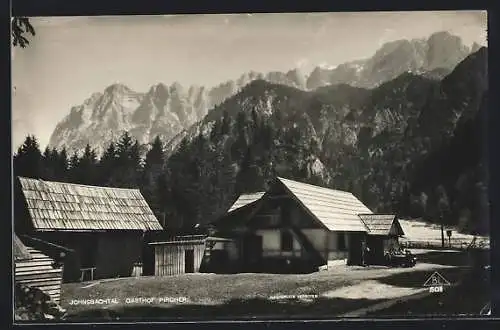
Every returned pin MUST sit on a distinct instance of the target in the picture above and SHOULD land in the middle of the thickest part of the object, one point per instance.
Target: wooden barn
(103, 226)
(383, 235)
(295, 227)
(35, 269)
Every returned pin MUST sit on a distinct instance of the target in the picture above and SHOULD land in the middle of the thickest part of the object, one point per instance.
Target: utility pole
(442, 231)
(443, 207)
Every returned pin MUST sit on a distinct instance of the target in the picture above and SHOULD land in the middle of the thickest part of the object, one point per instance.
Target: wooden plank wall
(39, 273)
(117, 253)
(169, 258)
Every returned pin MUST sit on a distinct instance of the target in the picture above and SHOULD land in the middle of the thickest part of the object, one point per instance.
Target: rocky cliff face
(168, 111)
(441, 51)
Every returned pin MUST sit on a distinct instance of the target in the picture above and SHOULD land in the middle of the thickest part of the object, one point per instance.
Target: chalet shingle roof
(381, 224)
(246, 199)
(66, 206)
(337, 210)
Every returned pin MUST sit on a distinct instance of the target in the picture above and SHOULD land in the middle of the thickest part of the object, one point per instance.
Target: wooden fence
(454, 243)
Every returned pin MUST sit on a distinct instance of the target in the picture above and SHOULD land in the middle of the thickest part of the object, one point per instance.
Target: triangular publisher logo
(486, 310)
(436, 279)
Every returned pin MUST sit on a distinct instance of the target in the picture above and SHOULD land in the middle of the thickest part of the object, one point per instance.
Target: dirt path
(372, 290)
(386, 304)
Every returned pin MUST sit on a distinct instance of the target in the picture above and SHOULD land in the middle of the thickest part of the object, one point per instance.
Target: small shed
(180, 255)
(383, 235)
(35, 269)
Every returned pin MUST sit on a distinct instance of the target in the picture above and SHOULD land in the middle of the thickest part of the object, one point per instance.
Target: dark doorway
(355, 249)
(189, 261)
(219, 261)
(252, 250)
(376, 253)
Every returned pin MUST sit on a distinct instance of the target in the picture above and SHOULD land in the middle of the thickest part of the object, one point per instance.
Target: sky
(71, 58)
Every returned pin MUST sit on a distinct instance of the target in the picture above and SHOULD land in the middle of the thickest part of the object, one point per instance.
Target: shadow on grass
(466, 267)
(417, 279)
(237, 308)
(471, 292)
(446, 258)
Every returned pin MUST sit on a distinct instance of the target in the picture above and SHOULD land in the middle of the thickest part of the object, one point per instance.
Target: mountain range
(413, 145)
(170, 111)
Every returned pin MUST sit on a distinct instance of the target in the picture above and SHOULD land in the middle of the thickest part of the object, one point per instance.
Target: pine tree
(84, 170)
(155, 157)
(73, 175)
(136, 163)
(255, 120)
(48, 164)
(61, 166)
(28, 159)
(240, 126)
(250, 177)
(151, 184)
(162, 193)
(215, 133)
(128, 163)
(124, 146)
(226, 123)
(107, 165)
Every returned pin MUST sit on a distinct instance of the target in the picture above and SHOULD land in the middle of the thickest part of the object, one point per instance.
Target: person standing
(364, 253)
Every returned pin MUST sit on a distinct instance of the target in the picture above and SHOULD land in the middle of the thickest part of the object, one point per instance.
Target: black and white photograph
(261, 166)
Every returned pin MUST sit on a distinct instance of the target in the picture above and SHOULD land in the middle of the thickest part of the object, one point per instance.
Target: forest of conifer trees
(206, 173)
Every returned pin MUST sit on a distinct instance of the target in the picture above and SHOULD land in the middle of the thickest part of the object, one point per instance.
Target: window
(286, 241)
(341, 244)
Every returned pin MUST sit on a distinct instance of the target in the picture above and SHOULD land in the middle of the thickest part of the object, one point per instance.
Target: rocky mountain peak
(445, 50)
(440, 51)
(117, 89)
(93, 98)
(176, 87)
(159, 90)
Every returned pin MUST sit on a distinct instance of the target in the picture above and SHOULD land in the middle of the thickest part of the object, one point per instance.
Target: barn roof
(74, 207)
(337, 210)
(381, 224)
(246, 199)
(19, 250)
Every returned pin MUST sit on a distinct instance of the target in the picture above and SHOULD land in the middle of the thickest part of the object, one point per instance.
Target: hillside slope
(381, 144)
